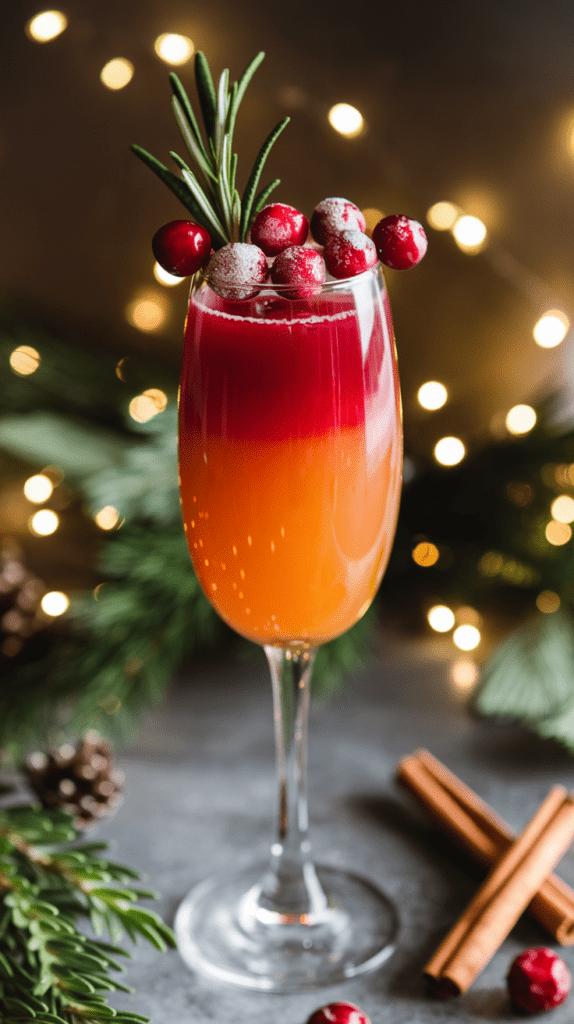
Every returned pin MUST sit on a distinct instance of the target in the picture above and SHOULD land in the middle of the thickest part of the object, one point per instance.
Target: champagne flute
(290, 459)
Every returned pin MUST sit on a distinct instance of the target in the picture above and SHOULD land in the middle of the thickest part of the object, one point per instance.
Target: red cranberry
(237, 271)
(349, 254)
(334, 215)
(277, 226)
(302, 266)
(538, 980)
(181, 247)
(401, 242)
(339, 1013)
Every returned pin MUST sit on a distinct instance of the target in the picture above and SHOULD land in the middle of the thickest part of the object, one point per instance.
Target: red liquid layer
(290, 459)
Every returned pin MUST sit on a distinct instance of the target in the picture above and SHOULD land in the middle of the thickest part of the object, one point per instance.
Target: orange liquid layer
(301, 552)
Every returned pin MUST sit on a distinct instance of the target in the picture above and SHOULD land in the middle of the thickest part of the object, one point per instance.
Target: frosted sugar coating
(236, 270)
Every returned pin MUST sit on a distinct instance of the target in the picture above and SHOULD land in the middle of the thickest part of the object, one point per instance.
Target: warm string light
(425, 554)
(117, 73)
(346, 120)
(148, 404)
(432, 395)
(148, 312)
(470, 234)
(466, 637)
(107, 518)
(441, 618)
(551, 328)
(174, 49)
(46, 26)
(547, 602)
(558, 534)
(464, 674)
(24, 360)
(520, 419)
(164, 277)
(38, 488)
(443, 216)
(449, 451)
(55, 603)
(44, 522)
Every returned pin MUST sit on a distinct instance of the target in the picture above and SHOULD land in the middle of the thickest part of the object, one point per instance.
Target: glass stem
(291, 887)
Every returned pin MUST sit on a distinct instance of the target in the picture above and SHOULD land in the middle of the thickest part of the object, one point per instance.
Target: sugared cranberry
(237, 270)
(339, 1013)
(401, 242)
(538, 980)
(349, 254)
(181, 247)
(277, 226)
(334, 215)
(302, 267)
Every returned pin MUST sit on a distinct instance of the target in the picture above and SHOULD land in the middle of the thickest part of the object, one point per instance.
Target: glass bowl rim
(332, 284)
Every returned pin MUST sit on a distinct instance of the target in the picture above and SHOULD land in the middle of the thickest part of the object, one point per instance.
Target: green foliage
(530, 678)
(209, 191)
(50, 972)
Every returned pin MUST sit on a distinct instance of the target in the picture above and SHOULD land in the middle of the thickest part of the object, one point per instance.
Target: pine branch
(49, 970)
(209, 192)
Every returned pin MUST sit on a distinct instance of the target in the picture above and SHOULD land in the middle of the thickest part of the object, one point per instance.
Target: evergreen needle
(57, 977)
(208, 190)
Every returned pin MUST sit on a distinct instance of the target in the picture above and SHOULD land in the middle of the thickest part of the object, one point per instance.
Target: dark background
(469, 103)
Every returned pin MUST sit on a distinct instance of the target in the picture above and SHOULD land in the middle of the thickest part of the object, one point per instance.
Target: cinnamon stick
(503, 896)
(479, 831)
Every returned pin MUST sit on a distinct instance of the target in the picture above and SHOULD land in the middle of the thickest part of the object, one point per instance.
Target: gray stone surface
(201, 796)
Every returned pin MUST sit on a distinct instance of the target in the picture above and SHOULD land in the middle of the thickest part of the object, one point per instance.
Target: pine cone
(78, 779)
(20, 595)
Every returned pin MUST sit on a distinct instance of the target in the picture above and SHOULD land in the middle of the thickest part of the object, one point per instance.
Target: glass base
(223, 931)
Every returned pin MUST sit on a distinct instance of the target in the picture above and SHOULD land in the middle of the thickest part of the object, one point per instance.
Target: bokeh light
(372, 217)
(551, 328)
(547, 602)
(449, 451)
(46, 26)
(148, 404)
(55, 603)
(440, 618)
(107, 517)
(346, 120)
(562, 509)
(463, 673)
(24, 360)
(44, 522)
(470, 234)
(117, 73)
(174, 49)
(432, 395)
(148, 312)
(466, 637)
(38, 488)
(426, 554)
(163, 277)
(520, 419)
(442, 216)
(558, 533)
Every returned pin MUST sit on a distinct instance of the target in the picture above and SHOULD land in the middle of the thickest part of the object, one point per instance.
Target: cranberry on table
(339, 1013)
(349, 254)
(302, 267)
(538, 980)
(401, 242)
(334, 215)
(237, 271)
(277, 227)
(181, 247)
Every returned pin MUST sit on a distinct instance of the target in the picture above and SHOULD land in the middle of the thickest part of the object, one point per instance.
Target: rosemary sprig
(50, 972)
(208, 190)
